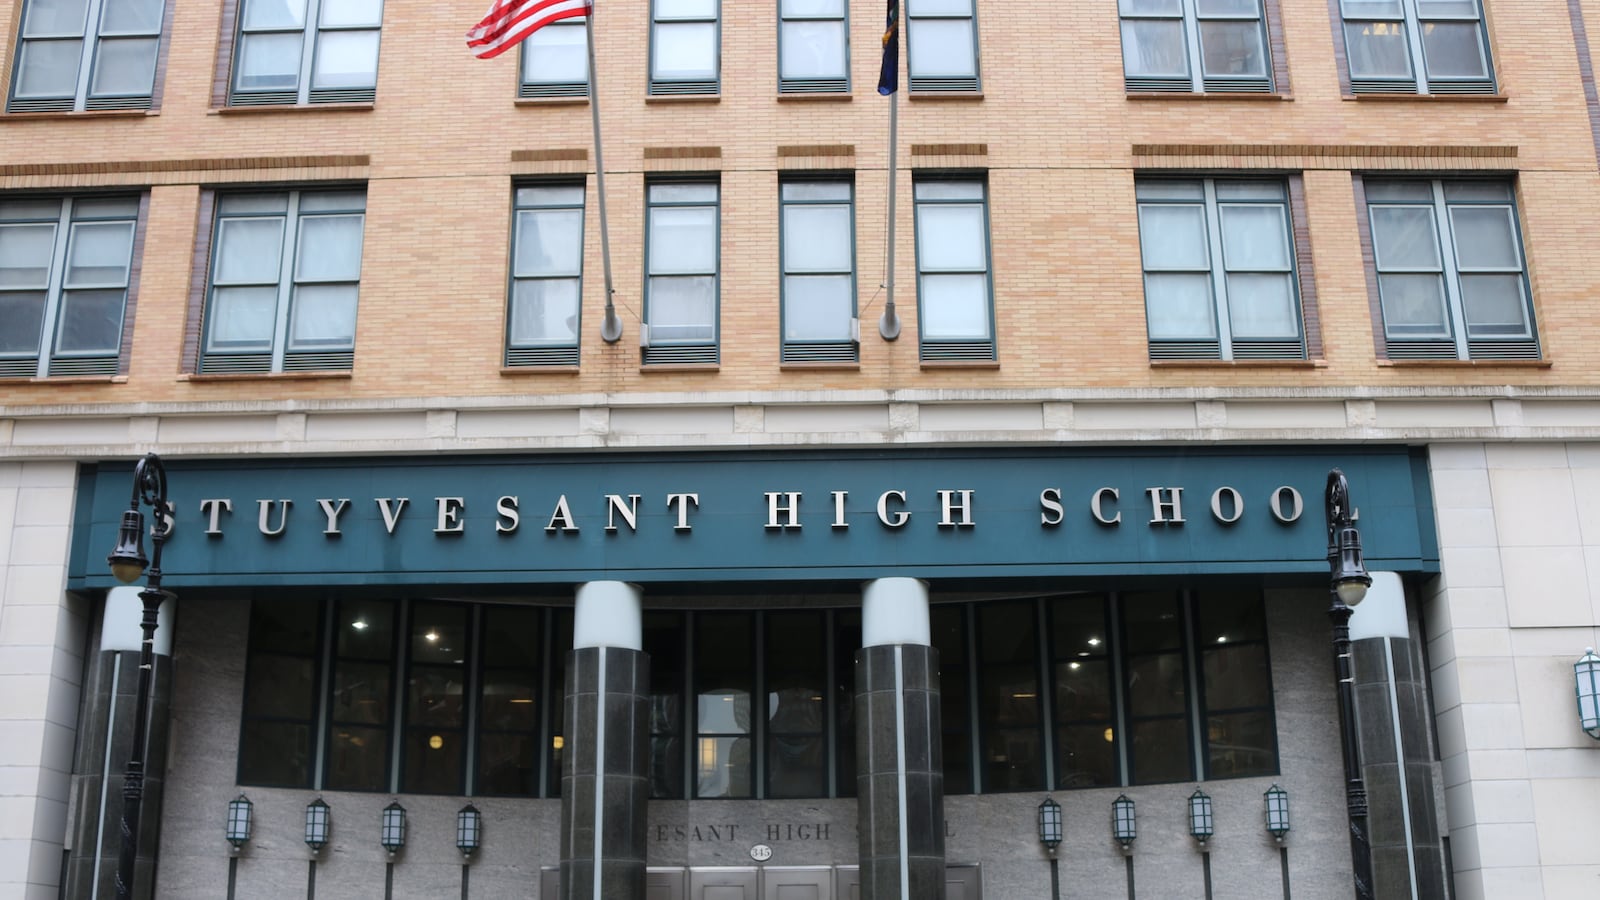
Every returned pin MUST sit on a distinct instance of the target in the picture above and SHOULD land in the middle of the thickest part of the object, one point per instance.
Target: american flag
(508, 22)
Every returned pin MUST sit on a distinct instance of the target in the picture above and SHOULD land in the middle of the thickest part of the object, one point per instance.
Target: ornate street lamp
(1050, 824)
(238, 829)
(1202, 825)
(319, 824)
(127, 563)
(469, 830)
(392, 832)
(1123, 826)
(1348, 582)
(1587, 672)
(1277, 800)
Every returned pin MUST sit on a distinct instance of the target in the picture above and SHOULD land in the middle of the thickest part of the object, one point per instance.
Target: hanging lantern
(1050, 824)
(469, 830)
(319, 824)
(1123, 827)
(1201, 824)
(1587, 671)
(1277, 800)
(392, 832)
(238, 828)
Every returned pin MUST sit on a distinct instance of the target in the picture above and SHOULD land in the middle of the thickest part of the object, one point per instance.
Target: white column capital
(608, 614)
(895, 611)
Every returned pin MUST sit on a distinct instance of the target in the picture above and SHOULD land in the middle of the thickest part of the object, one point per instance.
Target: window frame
(842, 350)
(656, 350)
(942, 83)
(1196, 80)
(534, 354)
(709, 85)
(968, 349)
(536, 89)
(1417, 80)
(826, 84)
(320, 610)
(311, 31)
(90, 40)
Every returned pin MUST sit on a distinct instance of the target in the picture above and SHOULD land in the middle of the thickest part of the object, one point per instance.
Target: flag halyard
(509, 22)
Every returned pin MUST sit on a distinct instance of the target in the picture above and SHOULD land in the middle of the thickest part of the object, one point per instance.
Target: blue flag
(889, 76)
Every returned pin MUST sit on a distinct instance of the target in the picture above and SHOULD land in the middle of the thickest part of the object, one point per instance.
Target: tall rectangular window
(685, 46)
(1163, 40)
(682, 259)
(1083, 672)
(724, 691)
(1009, 716)
(433, 757)
(306, 51)
(664, 640)
(277, 739)
(942, 45)
(1156, 688)
(65, 270)
(361, 704)
(813, 47)
(285, 276)
(950, 633)
(555, 60)
(954, 295)
(1451, 278)
(795, 674)
(508, 717)
(1237, 725)
(1219, 269)
(1388, 42)
(86, 54)
(546, 276)
(819, 283)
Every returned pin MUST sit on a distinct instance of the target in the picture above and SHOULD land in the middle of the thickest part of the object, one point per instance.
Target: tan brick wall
(1060, 135)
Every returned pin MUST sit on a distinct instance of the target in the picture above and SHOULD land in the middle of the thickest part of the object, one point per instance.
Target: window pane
(1255, 237)
(90, 321)
(817, 190)
(274, 13)
(951, 238)
(1151, 622)
(949, 190)
(1155, 684)
(705, 9)
(329, 249)
(685, 50)
(1179, 306)
(1236, 675)
(1261, 306)
(281, 687)
(249, 251)
(1174, 237)
(1083, 689)
(429, 769)
(1493, 306)
(544, 311)
(811, 7)
(124, 67)
(232, 204)
(723, 767)
(1232, 48)
(285, 626)
(1242, 744)
(1477, 190)
(666, 767)
(242, 318)
(1377, 50)
(683, 240)
(556, 53)
(816, 239)
(1227, 617)
(955, 306)
(275, 754)
(25, 253)
(683, 309)
(508, 764)
(1413, 305)
(550, 195)
(941, 48)
(816, 308)
(1485, 238)
(1402, 192)
(131, 17)
(1160, 751)
(346, 59)
(361, 692)
(1429, 8)
(436, 696)
(813, 49)
(55, 17)
(683, 193)
(352, 12)
(549, 242)
(1150, 7)
(1403, 238)
(269, 61)
(1453, 50)
(36, 209)
(509, 698)
(21, 321)
(939, 7)
(797, 765)
(98, 255)
(1154, 48)
(322, 316)
(357, 758)
(1085, 756)
(1228, 7)
(1012, 761)
(48, 68)
(332, 201)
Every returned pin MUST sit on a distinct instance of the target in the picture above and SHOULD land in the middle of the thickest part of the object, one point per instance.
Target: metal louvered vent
(333, 360)
(60, 104)
(1503, 349)
(118, 103)
(1185, 350)
(966, 85)
(84, 365)
(1461, 87)
(19, 368)
(236, 364)
(534, 91)
(1383, 87)
(845, 352)
(1163, 85)
(958, 351)
(680, 354)
(352, 95)
(1238, 86)
(263, 98)
(1422, 350)
(542, 356)
(1268, 350)
(812, 86)
(673, 88)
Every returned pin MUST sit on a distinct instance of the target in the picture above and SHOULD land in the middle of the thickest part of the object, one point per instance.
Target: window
(1219, 269)
(285, 276)
(546, 276)
(1162, 39)
(555, 60)
(1008, 697)
(306, 51)
(681, 265)
(1388, 42)
(277, 739)
(1451, 279)
(954, 297)
(942, 45)
(813, 47)
(74, 55)
(685, 46)
(724, 691)
(819, 285)
(65, 273)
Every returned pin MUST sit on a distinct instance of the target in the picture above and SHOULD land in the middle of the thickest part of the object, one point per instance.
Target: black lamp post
(1348, 582)
(127, 562)
(1050, 837)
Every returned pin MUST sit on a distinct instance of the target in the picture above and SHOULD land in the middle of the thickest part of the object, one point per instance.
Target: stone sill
(819, 367)
(959, 364)
(832, 96)
(683, 98)
(200, 378)
(1213, 96)
(1467, 363)
(1429, 98)
(679, 367)
(551, 101)
(945, 95)
(67, 379)
(82, 114)
(517, 371)
(1238, 363)
(291, 108)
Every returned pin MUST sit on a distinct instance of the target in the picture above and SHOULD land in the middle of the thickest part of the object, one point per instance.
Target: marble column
(105, 730)
(605, 780)
(899, 757)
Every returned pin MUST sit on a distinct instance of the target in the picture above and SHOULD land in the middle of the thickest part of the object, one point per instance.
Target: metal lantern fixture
(1123, 827)
(238, 830)
(1346, 569)
(469, 830)
(319, 823)
(392, 833)
(1050, 824)
(1277, 800)
(1587, 671)
(1201, 823)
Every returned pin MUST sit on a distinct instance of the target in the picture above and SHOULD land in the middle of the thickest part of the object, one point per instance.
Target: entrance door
(797, 883)
(731, 883)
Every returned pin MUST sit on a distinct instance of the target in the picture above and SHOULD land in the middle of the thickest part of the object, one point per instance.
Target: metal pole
(611, 326)
(1055, 879)
(889, 325)
(1355, 791)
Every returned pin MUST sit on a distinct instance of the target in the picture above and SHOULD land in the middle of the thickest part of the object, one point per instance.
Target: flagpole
(611, 326)
(889, 325)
